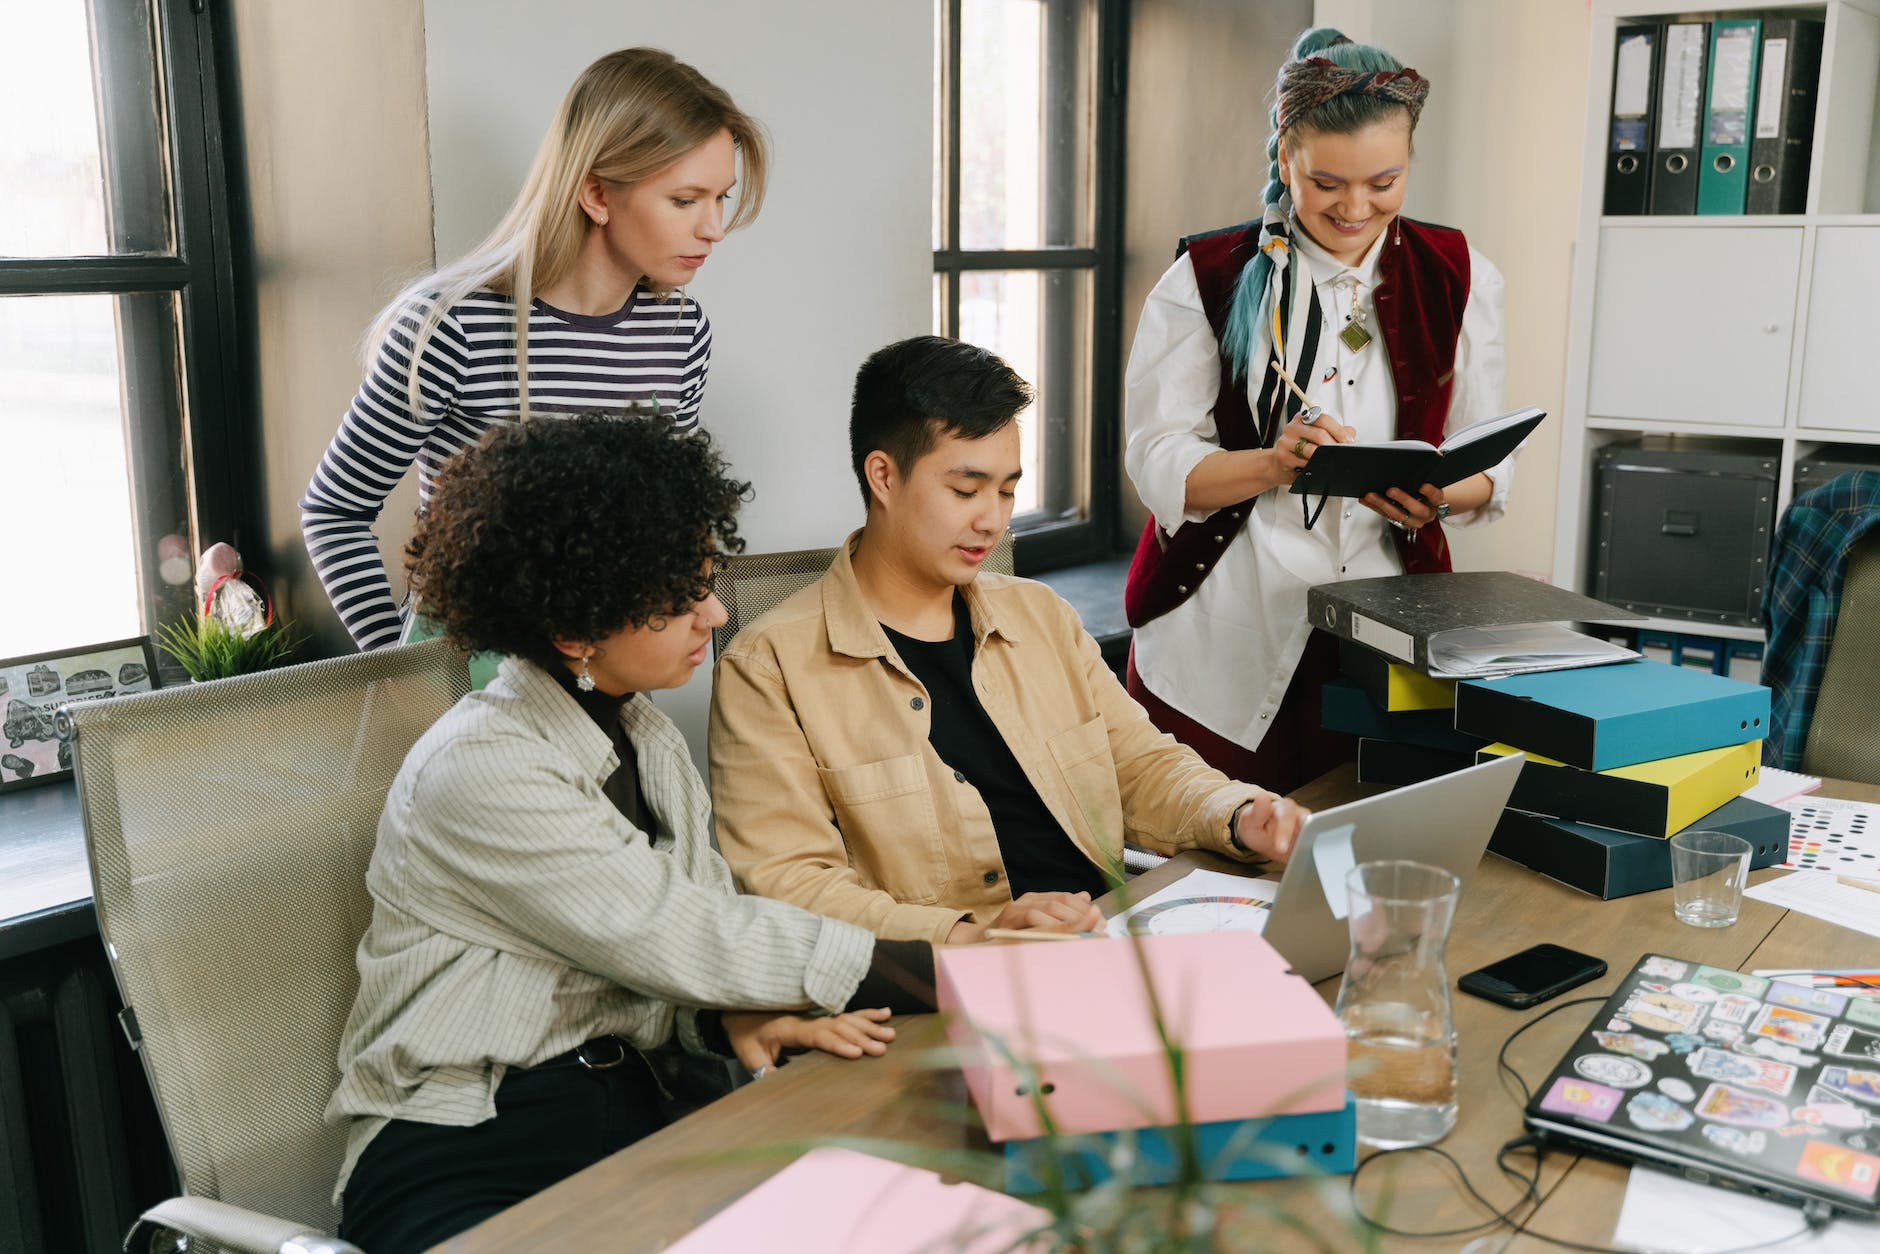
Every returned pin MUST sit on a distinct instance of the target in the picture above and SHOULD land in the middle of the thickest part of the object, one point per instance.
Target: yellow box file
(1392, 685)
(1648, 798)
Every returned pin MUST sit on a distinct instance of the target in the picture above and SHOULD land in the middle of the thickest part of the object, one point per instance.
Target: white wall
(840, 261)
(1498, 155)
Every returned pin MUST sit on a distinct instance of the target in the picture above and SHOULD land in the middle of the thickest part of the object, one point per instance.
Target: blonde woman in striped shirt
(628, 196)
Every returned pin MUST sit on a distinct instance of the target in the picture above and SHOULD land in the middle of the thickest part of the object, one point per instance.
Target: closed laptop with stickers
(1727, 1078)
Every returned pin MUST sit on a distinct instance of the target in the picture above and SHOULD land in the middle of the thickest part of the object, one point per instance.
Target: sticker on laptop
(1733, 1009)
(1684, 1042)
(1864, 1010)
(1851, 1042)
(1791, 1026)
(1569, 1096)
(1661, 1012)
(1731, 981)
(1749, 1073)
(1632, 1045)
(1822, 1001)
(1717, 1030)
(1862, 1086)
(1654, 1112)
(1677, 1090)
(1739, 1106)
(1620, 1072)
(1763, 1047)
(1840, 1168)
(1831, 1115)
(1735, 1140)
(1664, 968)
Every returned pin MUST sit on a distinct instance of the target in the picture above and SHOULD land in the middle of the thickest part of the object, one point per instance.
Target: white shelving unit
(1756, 330)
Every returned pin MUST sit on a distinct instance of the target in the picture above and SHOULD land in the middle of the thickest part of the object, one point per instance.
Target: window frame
(1049, 542)
(205, 427)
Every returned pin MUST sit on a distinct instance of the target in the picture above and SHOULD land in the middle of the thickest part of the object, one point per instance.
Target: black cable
(1814, 1217)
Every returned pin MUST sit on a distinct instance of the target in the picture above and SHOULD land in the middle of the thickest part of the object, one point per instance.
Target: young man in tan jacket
(928, 751)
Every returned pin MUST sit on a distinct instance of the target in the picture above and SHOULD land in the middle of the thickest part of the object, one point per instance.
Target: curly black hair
(572, 528)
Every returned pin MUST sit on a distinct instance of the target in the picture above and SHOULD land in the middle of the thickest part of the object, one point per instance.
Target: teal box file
(1598, 717)
(1723, 164)
(1320, 1142)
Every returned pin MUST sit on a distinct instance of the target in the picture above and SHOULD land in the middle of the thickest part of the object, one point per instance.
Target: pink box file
(1258, 1039)
(836, 1201)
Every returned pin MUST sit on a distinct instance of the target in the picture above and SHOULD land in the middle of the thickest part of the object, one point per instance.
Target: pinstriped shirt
(647, 350)
(516, 912)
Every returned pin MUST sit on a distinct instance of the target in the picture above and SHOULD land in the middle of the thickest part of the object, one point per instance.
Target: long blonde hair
(629, 115)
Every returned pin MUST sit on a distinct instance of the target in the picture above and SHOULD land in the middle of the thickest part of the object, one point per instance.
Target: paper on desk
(1199, 883)
(1669, 1215)
(1817, 893)
(1775, 786)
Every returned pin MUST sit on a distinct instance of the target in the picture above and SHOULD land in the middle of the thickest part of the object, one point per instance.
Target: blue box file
(1597, 717)
(1320, 1142)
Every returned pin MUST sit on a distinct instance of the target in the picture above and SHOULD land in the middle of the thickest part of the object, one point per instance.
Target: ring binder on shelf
(1634, 93)
(1723, 172)
(1785, 116)
(1686, 52)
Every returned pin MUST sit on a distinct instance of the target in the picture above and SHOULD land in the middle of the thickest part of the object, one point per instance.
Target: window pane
(86, 536)
(1026, 116)
(82, 163)
(1039, 322)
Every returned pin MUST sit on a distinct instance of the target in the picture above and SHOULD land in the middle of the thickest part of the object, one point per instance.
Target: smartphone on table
(1532, 976)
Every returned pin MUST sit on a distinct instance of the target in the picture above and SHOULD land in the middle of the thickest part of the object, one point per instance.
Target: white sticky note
(1331, 854)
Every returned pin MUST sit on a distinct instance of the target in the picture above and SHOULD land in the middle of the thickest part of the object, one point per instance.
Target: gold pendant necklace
(1354, 336)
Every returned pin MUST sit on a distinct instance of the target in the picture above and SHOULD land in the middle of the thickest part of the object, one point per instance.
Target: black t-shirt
(1039, 857)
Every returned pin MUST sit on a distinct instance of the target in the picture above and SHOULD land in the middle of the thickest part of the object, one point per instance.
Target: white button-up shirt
(1225, 656)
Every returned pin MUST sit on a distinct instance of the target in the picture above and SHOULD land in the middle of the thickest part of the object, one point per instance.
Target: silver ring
(759, 1073)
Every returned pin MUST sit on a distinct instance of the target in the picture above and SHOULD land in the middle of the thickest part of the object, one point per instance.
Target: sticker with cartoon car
(26, 721)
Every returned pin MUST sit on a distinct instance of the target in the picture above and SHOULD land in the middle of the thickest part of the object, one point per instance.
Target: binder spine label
(1386, 640)
(1730, 86)
(1683, 86)
(1631, 94)
(1770, 95)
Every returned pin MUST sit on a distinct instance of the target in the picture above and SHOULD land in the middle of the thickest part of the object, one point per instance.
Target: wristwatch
(1233, 825)
(1442, 511)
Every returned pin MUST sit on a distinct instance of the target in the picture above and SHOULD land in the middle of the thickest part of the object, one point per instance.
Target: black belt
(603, 1053)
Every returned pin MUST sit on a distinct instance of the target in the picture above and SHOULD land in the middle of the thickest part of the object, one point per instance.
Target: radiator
(66, 1179)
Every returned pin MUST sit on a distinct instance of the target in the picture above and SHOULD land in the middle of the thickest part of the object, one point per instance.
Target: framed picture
(33, 688)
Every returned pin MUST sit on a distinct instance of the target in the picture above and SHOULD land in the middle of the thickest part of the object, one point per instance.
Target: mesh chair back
(755, 583)
(229, 825)
(1843, 733)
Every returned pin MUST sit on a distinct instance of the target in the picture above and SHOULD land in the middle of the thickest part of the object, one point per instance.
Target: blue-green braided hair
(1341, 114)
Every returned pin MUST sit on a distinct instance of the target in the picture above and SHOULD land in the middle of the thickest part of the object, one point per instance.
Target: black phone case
(1477, 984)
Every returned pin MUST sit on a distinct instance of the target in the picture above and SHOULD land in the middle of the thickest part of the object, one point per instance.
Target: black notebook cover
(1355, 469)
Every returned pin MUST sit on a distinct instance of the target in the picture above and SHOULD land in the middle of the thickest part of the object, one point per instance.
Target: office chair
(752, 584)
(1844, 732)
(228, 826)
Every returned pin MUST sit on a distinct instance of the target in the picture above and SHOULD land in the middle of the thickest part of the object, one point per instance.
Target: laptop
(1730, 1079)
(1444, 821)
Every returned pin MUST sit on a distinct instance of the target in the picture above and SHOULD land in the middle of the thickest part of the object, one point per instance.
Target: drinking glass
(1707, 874)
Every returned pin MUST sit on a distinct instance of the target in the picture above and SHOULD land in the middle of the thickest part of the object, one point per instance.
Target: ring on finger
(1299, 447)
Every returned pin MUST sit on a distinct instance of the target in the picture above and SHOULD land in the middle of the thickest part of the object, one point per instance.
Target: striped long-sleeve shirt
(647, 350)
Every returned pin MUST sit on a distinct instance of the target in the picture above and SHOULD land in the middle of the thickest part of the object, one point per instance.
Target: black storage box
(1832, 463)
(1610, 864)
(1684, 533)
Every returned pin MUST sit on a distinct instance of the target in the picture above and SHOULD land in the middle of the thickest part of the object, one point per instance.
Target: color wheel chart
(1827, 834)
(1186, 915)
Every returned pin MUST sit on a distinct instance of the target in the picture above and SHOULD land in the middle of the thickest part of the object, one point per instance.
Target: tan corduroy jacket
(828, 794)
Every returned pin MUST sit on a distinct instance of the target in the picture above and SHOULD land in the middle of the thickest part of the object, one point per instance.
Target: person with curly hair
(548, 909)
(575, 301)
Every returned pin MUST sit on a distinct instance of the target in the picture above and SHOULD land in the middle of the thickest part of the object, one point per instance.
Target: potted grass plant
(234, 630)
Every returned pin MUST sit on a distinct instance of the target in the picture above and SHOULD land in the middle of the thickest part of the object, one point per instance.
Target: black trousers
(418, 1183)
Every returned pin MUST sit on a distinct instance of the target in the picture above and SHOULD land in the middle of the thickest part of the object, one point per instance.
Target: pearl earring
(584, 681)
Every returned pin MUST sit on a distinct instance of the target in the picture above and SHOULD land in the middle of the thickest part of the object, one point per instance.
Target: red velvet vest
(1423, 285)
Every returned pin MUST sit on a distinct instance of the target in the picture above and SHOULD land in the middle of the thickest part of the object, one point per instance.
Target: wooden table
(662, 1187)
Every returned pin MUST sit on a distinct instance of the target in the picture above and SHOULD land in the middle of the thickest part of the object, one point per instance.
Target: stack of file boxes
(1621, 756)
(1069, 1031)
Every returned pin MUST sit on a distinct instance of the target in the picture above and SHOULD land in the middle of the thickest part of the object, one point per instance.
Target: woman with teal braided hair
(1391, 327)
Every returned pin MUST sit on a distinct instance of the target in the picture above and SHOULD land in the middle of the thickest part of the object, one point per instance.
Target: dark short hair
(571, 528)
(911, 393)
